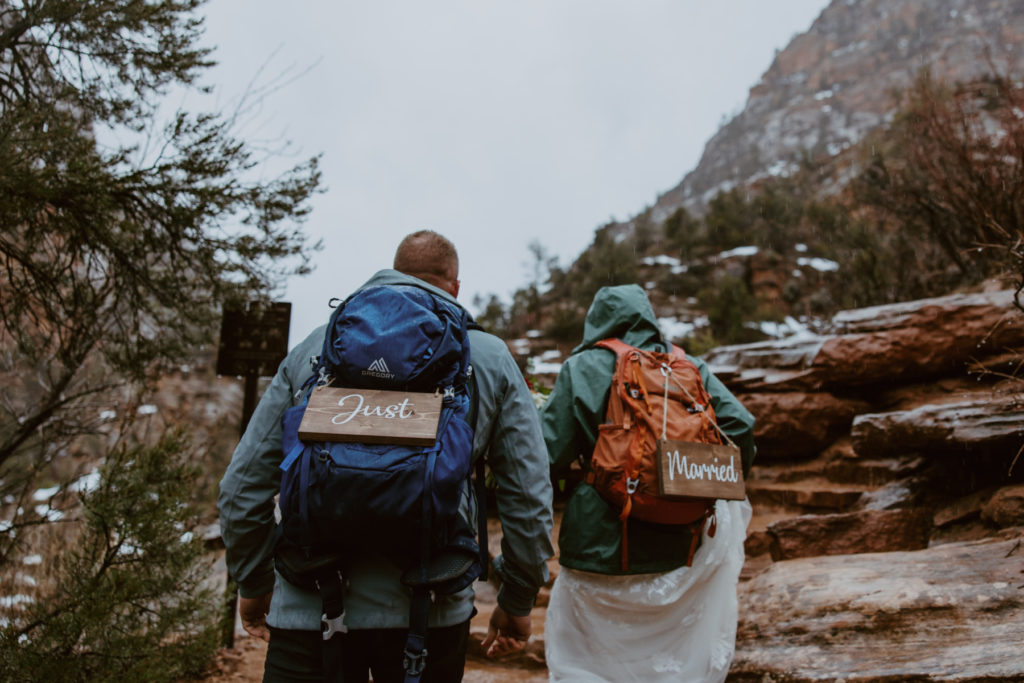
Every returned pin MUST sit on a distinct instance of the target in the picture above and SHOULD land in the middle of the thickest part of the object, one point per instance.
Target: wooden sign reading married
(700, 470)
(370, 416)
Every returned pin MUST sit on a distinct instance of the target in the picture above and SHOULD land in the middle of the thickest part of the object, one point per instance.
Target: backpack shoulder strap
(479, 481)
(616, 413)
(616, 346)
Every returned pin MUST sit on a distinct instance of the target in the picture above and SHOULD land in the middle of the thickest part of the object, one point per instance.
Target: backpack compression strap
(414, 658)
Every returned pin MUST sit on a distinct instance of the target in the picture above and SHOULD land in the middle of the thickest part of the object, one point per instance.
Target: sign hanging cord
(667, 372)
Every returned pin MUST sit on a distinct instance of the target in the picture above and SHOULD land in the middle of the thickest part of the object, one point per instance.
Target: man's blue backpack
(340, 501)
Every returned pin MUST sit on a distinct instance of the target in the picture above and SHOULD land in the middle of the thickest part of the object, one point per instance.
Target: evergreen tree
(117, 257)
(123, 232)
(129, 596)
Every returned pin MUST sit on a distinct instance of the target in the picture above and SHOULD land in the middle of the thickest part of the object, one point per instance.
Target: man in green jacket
(506, 432)
(660, 620)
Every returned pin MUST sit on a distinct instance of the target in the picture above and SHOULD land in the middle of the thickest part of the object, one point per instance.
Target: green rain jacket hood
(624, 313)
(590, 536)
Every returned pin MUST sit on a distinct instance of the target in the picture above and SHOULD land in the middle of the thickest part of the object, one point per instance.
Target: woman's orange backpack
(654, 396)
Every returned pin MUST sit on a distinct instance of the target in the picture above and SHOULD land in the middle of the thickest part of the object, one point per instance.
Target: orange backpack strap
(616, 412)
(625, 373)
(626, 370)
(616, 346)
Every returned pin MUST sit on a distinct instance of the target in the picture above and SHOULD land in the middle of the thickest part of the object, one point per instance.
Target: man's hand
(254, 615)
(506, 633)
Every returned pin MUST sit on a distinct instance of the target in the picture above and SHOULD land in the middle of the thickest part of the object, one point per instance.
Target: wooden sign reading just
(700, 470)
(370, 416)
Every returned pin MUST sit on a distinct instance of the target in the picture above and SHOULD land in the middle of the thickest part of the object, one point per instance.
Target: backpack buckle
(631, 485)
(328, 627)
(414, 662)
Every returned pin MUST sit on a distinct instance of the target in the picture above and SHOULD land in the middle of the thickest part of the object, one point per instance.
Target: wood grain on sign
(700, 470)
(370, 416)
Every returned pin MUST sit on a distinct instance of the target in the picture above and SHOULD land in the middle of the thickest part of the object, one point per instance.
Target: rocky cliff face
(834, 83)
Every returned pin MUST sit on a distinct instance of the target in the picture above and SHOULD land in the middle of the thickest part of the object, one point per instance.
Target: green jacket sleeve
(508, 434)
(576, 406)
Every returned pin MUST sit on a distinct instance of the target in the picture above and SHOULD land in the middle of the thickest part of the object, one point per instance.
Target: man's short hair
(429, 256)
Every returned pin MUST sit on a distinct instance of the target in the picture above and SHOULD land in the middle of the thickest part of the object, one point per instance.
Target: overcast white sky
(494, 123)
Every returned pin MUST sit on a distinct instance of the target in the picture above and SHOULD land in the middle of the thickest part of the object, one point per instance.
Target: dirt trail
(244, 662)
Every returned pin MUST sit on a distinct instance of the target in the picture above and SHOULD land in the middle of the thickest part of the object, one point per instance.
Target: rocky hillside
(799, 206)
(834, 83)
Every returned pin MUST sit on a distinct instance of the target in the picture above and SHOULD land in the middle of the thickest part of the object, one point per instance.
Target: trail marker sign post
(253, 342)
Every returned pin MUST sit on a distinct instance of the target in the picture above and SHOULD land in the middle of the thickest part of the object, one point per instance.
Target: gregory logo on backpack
(378, 369)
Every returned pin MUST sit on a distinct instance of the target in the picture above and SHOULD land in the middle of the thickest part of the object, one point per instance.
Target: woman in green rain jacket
(660, 620)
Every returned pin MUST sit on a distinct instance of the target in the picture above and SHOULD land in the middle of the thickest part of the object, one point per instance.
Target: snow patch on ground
(820, 264)
(739, 251)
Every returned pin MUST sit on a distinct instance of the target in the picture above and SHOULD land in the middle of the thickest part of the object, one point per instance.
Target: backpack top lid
(397, 337)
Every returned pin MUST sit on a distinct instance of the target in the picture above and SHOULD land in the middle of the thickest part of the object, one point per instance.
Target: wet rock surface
(952, 613)
(818, 418)
(986, 421)
(866, 531)
(1006, 507)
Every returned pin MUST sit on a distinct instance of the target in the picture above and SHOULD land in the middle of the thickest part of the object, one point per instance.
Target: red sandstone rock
(993, 423)
(794, 425)
(962, 509)
(871, 472)
(878, 345)
(808, 494)
(757, 543)
(1005, 507)
(864, 531)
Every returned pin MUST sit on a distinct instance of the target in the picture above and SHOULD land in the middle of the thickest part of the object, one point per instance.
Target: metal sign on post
(253, 342)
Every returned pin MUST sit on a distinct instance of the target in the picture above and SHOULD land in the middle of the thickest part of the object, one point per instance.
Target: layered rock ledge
(951, 613)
